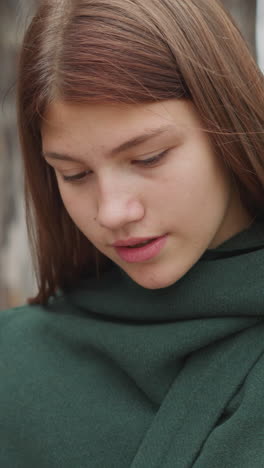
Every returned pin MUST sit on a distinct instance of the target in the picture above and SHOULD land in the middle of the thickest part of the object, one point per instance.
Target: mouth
(133, 241)
(141, 244)
(142, 251)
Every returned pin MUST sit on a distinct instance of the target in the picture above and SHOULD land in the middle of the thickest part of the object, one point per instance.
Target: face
(167, 186)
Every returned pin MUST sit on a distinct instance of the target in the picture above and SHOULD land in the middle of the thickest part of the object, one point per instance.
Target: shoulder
(20, 323)
(22, 333)
(17, 322)
(35, 337)
(27, 333)
(21, 340)
(33, 346)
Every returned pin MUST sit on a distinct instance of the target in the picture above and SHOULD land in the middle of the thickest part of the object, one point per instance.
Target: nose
(118, 207)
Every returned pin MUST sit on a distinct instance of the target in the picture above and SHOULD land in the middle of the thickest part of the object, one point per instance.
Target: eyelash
(144, 162)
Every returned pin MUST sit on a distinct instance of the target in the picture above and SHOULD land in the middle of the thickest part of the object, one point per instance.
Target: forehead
(105, 126)
(60, 113)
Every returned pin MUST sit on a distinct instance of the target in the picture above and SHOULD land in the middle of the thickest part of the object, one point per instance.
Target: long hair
(132, 51)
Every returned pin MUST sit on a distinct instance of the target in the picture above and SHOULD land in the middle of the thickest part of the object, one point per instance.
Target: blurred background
(16, 272)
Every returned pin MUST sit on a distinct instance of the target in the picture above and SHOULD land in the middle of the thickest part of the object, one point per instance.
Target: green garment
(113, 375)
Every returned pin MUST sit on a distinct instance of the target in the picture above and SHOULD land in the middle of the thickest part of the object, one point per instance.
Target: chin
(160, 275)
(154, 281)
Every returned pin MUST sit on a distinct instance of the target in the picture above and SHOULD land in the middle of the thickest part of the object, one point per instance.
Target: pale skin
(187, 193)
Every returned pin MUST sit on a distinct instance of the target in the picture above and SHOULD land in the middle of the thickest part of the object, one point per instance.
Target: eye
(81, 176)
(151, 161)
(76, 177)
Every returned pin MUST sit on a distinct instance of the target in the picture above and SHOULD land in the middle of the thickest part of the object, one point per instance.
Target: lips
(135, 253)
(141, 244)
(132, 241)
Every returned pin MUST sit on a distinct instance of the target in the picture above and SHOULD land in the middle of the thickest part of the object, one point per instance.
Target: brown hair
(132, 51)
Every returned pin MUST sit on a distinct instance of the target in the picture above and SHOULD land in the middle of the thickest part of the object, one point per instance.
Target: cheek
(196, 186)
(78, 207)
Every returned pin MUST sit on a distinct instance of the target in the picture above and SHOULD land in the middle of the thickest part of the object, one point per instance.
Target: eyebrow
(131, 143)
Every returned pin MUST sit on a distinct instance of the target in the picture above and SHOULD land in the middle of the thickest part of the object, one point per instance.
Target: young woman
(141, 125)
